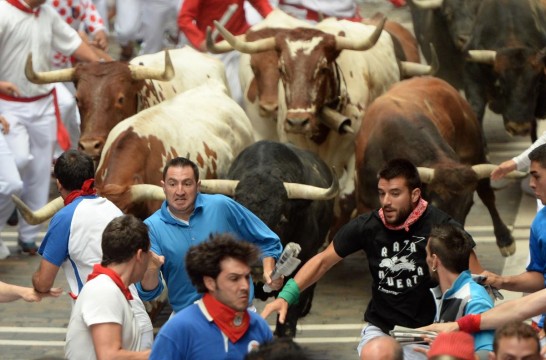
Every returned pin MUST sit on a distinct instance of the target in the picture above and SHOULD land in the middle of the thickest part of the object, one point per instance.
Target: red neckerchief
(233, 324)
(98, 269)
(24, 7)
(412, 218)
(87, 189)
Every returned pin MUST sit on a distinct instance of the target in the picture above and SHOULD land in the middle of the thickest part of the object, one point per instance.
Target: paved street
(331, 330)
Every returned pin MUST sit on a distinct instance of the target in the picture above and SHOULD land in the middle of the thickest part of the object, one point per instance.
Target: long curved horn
(247, 47)
(309, 192)
(220, 47)
(410, 69)
(426, 174)
(428, 4)
(41, 215)
(143, 72)
(143, 192)
(47, 77)
(343, 43)
(482, 56)
(219, 186)
(484, 171)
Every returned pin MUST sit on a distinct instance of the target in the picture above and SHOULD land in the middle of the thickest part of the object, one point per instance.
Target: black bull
(506, 63)
(261, 170)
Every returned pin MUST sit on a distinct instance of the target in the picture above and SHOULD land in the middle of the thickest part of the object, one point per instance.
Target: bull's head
(517, 75)
(458, 15)
(451, 187)
(307, 69)
(106, 93)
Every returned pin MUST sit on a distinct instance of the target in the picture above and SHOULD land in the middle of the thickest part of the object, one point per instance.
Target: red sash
(62, 134)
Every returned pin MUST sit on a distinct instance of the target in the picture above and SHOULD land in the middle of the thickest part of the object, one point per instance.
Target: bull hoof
(508, 250)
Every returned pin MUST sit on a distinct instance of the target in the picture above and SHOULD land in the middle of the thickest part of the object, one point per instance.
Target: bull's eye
(121, 100)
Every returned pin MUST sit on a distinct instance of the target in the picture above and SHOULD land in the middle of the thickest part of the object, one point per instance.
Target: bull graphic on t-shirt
(398, 269)
(397, 264)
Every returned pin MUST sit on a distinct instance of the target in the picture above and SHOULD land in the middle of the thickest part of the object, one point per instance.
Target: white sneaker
(4, 251)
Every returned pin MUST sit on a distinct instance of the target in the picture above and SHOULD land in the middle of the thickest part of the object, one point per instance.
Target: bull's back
(192, 69)
(422, 119)
(203, 123)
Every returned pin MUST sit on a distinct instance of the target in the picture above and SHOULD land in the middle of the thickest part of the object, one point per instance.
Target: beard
(403, 214)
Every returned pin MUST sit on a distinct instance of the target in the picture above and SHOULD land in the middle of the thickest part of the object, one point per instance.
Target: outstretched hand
(279, 306)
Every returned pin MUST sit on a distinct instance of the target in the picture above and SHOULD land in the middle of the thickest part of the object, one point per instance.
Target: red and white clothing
(101, 301)
(196, 15)
(32, 116)
(80, 15)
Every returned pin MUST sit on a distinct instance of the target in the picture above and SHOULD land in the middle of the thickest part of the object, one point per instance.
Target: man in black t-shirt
(394, 238)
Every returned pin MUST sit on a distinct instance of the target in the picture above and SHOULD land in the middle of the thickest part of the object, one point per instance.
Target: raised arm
(309, 274)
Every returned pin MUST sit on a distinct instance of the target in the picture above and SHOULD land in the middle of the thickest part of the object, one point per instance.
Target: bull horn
(336, 121)
(219, 186)
(482, 56)
(410, 69)
(41, 215)
(247, 47)
(309, 192)
(143, 192)
(428, 4)
(47, 77)
(344, 43)
(143, 72)
(217, 48)
(484, 171)
(426, 174)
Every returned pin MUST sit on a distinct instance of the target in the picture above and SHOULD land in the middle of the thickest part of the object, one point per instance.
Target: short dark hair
(181, 162)
(204, 259)
(122, 238)
(452, 245)
(404, 168)
(278, 349)
(539, 155)
(518, 330)
(72, 168)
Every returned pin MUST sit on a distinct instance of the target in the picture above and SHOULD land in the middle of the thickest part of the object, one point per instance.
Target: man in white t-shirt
(73, 239)
(102, 324)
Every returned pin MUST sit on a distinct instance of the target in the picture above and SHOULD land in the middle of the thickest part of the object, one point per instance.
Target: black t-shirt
(397, 261)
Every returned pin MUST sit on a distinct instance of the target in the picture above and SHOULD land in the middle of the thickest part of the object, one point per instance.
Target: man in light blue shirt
(187, 218)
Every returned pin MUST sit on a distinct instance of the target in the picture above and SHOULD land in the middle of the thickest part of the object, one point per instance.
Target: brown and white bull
(203, 124)
(259, 73)
(426, 121)
(329, 75)
(109, 92)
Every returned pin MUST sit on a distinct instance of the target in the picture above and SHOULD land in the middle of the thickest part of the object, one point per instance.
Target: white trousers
(31, 139)
(10, 182)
